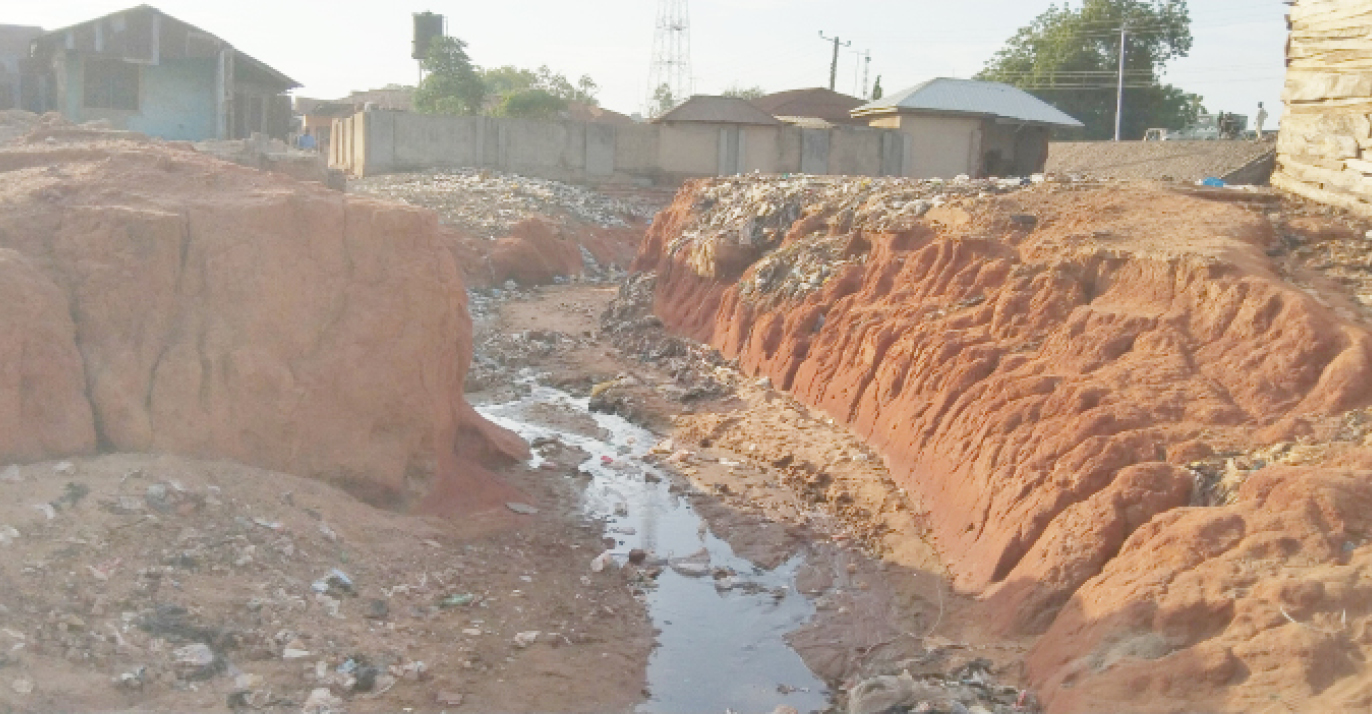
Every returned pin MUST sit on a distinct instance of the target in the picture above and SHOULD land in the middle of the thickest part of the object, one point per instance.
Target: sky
(336, 46)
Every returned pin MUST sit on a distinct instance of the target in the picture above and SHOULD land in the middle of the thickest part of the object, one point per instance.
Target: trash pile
(969, 688)
(700, 371)
(490, 203)
(749, 217)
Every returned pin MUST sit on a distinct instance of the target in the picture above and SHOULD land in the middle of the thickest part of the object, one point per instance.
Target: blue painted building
(146, 71)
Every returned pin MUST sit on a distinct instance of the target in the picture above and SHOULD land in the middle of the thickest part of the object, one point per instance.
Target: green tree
(741, 92)
(452, 85)
(531, 104)
(662, 101)
(1069, 57)
(501, 81)
(505, 83)
(877, 91)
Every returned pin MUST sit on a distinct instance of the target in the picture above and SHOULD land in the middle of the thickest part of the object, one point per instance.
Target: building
(1324, 148)
(739, 126)
(802, 106)
(16, 71)
(965, 127)
(146, 71)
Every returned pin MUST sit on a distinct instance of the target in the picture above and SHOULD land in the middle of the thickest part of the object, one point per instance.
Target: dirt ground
(148, 563)
(157, 583)
(773, 478)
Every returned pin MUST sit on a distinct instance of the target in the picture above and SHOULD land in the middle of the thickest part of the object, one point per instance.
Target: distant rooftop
(818, 103)
(967, 96)
(719, 110)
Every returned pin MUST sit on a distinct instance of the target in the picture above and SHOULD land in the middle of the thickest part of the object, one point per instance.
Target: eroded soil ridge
(1041, 368)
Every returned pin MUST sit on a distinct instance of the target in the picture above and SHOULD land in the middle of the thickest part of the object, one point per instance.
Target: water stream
(718, 650)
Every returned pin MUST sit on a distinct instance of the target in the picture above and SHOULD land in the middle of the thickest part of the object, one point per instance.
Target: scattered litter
(524, 639)
(602, 561)
(336, 581)
(490, 203)
(65, 468)
(22, 686)
(456, 600)
(8, 534)
(323, 701)
(521, 508)
(47, 510)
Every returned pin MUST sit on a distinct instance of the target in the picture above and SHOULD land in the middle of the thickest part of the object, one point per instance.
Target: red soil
(1038, 387)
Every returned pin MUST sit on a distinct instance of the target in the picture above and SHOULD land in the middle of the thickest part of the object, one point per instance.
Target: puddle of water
(717, 651)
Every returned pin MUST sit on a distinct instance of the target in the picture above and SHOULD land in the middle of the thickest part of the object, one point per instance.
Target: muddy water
(717, 649)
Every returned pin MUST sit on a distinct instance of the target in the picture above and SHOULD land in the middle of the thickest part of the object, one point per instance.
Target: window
(111, 84)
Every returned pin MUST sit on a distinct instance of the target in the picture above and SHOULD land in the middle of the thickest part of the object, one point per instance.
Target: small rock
(764, 383)
(637, 556)
(377, 610)
(523, 509)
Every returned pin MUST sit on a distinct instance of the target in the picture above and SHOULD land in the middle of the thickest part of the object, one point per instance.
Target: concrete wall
(379, 142)
(943, 147)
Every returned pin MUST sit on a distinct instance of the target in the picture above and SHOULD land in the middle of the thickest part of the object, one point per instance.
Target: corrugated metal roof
(967, 96)
(719, 110)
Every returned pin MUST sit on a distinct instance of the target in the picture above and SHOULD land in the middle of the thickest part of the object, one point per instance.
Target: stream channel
(717, 649)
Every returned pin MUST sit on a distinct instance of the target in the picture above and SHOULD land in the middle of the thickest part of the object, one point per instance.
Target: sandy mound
(171, 302)
(1040, 369)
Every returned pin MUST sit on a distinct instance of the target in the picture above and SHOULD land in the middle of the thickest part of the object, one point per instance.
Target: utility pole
(833, 67)
(1119, 101)
(866, 75)
(861, 89)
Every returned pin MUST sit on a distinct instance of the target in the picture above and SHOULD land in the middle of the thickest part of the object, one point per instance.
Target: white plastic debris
(602, 561)
(524, 639)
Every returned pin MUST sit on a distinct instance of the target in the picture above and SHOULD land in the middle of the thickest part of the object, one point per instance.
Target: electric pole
(833, 67)
(1119, 100)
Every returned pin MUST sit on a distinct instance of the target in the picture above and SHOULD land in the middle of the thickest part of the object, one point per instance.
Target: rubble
(489, 204)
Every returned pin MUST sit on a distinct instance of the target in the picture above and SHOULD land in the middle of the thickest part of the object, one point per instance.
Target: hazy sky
(336, 46)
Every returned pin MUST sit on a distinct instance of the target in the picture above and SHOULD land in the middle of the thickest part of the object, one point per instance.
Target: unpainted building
(146, 71)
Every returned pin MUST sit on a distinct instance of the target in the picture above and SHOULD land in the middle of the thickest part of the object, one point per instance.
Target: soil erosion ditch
(1052, 373)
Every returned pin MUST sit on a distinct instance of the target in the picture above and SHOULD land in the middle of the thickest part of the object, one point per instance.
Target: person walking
(1262, 119)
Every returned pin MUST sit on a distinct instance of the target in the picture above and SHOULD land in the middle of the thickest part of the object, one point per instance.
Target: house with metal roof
(144, 70)
(967, 127)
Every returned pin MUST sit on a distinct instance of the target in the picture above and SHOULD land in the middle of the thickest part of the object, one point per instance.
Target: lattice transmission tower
(671, 55)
